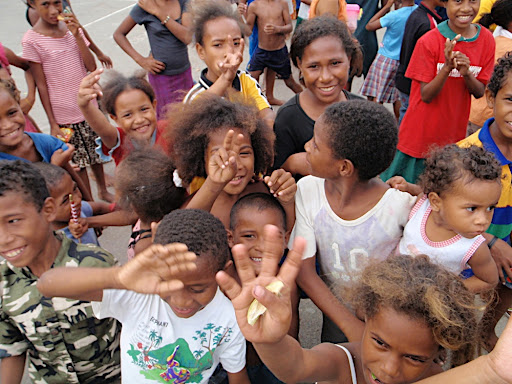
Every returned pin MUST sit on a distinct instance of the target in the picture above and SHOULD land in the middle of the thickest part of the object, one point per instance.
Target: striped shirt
(63, 69)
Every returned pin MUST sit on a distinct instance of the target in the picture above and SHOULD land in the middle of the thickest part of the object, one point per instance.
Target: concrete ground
(101, 18)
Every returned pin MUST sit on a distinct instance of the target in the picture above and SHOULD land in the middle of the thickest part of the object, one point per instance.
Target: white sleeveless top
(351, 363)
(453, 254)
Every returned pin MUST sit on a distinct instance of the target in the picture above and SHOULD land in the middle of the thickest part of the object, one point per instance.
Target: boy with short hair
(184, 326)
(448, 65)
(274, 23)
(63, 340)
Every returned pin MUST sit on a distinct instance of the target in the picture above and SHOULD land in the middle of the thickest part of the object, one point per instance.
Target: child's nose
(325, 74)
(390, 367)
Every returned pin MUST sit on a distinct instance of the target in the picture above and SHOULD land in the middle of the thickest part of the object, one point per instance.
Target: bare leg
(494, 313)
(270, 80)
(256, 75)
(99, 175)
(293, 85)
(85, 178)
(396, 109)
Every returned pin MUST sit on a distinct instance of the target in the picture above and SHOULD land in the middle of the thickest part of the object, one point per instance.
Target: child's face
(396, 348)
(325, 66)
(60, 193)
(250, 223)
(244, 160)
(319, 153)
(501, 129)
(48, 10)
(24, 230)
(461, 14)
(467, 207)
(12, 122)
(222, 36)
(200, 288)
(135, 114)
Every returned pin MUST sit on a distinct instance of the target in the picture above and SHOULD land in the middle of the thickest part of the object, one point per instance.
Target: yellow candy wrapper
(256, 309)
(66, 134)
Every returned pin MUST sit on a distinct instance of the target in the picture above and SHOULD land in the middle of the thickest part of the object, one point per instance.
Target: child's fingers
(221, 158)
(243, 263)
(169, 286)
(285, 184)
(237, 144)
(272, 251)
(228, 285)
(228, 140)
(291, 267)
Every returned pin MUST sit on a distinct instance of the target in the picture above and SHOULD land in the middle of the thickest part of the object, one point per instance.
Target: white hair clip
(177, 179)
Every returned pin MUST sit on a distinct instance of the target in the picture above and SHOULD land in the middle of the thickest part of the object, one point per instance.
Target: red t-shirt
(124, 145)
(444, 119)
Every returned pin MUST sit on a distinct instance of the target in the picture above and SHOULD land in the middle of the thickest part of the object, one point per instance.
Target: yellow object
(341, 6)
(256, 309)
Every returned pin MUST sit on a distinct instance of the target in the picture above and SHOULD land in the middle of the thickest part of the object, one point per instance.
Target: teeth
(236, 178)
(256, 259)
(464, 17)
(13, 253)
(327, 89)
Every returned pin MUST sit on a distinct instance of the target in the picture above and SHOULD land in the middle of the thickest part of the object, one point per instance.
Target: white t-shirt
(343, 247)
(157, 344)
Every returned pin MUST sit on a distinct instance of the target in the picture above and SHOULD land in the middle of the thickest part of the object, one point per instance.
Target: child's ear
(113, 117)
(154, 103)
(435, 201)
(154, 227)
(228, 265)
(346, 168)
(231, 241)
(200, 51)
(490, 98)
(49, 209)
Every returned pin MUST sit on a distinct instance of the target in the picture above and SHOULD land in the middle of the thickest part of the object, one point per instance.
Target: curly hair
(425, 291)
(203, 11)
(501, 14)
(322, 26)
(364, 133)
(500, 74)
(260, 201)
(144, 182)
(191, 125)
(22, 178)
(446, 165)
(117, 83)
(200, 231)
(10, 87)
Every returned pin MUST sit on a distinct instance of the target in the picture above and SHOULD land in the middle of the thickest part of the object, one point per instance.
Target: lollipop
(74, 212)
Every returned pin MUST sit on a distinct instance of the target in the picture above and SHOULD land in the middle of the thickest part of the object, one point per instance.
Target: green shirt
(64, 341)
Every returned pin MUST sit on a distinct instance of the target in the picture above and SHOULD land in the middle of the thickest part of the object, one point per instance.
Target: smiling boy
(61, 338)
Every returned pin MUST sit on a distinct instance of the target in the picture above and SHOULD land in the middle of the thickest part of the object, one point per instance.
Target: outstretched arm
(152, 272)
(374, 22)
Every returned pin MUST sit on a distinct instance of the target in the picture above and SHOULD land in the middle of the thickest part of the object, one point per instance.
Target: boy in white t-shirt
(177, 324)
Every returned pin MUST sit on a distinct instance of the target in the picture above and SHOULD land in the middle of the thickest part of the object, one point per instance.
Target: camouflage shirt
(65, 342)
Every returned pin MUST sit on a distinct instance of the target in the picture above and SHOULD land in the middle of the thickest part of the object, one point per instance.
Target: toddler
(184, 326)
(61, 338)
(344, 211)
(461, 187)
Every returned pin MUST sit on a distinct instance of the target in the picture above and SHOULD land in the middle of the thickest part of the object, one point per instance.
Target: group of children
(217, 214)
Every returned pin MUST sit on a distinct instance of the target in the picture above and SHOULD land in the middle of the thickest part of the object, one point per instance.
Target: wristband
(493, 240)
(166, 20)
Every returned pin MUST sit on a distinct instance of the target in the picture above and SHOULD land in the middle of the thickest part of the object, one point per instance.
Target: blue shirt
(45, 145)
(89, 237)
(394, 22)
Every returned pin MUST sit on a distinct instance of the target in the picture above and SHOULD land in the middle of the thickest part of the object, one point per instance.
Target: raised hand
(273, 325)
(152, 65)
(78, 229)
(222, 165)
(449, 45)
(462, 63)
(89, 88)
(154, 270)
(282, 185)
(72, 23)
(232, 60)
(60, 157)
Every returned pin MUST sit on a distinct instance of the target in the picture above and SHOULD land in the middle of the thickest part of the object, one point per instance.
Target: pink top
(63, 68)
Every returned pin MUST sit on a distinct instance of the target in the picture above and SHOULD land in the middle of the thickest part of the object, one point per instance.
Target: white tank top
(351, 363)
(453, 254)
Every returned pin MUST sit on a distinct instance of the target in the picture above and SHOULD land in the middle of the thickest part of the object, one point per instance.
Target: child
(274, 23)
(218, 32)
(501, 15)
(495, 137)
(60, 185)
(182, 329)
(151, 195)
(413, 311)
(449, 64)
(228, 145)
(168, 27)
(346, 214)
(422, 19)
(58, 81)
(130, 102)
(249, 216)
(460, 188)
(336, 8)
(379, 85)
(16, 144)
(321, 49)
(63, 341)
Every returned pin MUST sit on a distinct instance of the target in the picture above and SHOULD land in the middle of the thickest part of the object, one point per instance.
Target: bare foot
(106, 196)
(273, 101)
